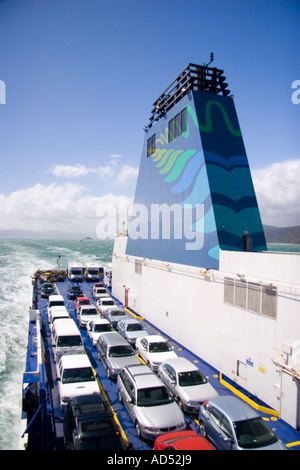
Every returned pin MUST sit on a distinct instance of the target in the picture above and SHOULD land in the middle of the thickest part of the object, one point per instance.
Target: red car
(183, 440)
(81, 301)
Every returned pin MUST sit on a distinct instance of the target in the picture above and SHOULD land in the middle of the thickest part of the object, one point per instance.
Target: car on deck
(46, 290)
(89, 424)
(154, 349)
(74, 292)
(131, 329)
(148, 402)
(186, 383)
(81, 301)
(183, 440)
(86, 313)
(96, 328)
(231, 424)
(75, 377)
(115, 314)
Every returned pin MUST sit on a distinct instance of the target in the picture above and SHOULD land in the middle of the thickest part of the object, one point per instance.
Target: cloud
(278, 193)
(127, 173)
(75, 171)
(122, 173)
(63, 208)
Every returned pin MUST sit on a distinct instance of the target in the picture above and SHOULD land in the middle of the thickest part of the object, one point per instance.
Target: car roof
(144, 377)
(88, 307)
(130, 320)
(55, 297)
(184, 440)
(155, 338)
(114, 339)
(75, 360)
(101, 321)
(180, 364)
(237, 409)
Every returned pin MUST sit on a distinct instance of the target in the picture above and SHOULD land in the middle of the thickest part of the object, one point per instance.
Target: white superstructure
(243, 319)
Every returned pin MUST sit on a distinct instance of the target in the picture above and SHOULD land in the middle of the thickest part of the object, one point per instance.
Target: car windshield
(190, 378)
(253, 433)
(121, 351)
(83, 374)
(103, 328)
(89, 311)
(69, 341)
(75, 289)
(57, 303)
(117, 313)
(108, 302)
(84, 302)
(134, 327)
(160, 346)
(153, 396)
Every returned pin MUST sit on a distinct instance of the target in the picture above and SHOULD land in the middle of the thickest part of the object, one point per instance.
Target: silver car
(131, 329)
(186, 383)
(231, 424)
(148, 402)
(115, 353)
(115, 314)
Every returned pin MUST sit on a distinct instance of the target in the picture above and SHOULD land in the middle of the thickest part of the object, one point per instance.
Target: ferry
(192, 267)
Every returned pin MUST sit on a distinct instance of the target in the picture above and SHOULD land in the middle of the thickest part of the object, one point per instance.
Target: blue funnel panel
(194, 192)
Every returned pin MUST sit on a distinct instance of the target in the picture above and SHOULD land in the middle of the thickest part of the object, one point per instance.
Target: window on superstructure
(229, 291)
(138, 265)
(269, 301)
(151, 145)
(254, 297)
(240, 294)
(177, 125)
(251, 296)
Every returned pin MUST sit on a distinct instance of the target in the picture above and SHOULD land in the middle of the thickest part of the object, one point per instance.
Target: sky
(77, 83)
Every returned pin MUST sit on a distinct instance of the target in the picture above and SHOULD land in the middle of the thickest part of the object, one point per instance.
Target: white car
(96, 328)
(105, 303)
(100, 292)
(57, 312)
(154, 349)
(186, 383)
(75, 377)
(86, 313)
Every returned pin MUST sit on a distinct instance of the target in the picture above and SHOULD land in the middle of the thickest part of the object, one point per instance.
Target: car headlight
(148, 428)
(193, 403)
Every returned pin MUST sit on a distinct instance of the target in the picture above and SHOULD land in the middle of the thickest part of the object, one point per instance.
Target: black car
(89, 425)
(74, 292)
(46, 290)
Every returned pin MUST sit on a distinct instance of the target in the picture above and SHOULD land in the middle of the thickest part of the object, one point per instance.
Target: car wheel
(179, 403)
(138, 429)
(202, 429)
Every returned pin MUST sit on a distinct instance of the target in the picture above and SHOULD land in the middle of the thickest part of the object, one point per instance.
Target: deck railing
(193, 77)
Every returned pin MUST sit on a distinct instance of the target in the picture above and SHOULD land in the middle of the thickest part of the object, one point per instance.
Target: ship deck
(289, 436)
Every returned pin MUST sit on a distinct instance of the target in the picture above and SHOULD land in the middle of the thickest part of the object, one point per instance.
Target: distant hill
(16, 233)
(282, 234)
(273, 234)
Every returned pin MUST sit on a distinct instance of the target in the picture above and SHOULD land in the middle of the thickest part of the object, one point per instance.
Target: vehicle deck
(289, 436)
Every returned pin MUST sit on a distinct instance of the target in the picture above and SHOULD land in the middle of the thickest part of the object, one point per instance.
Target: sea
(19, 259)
